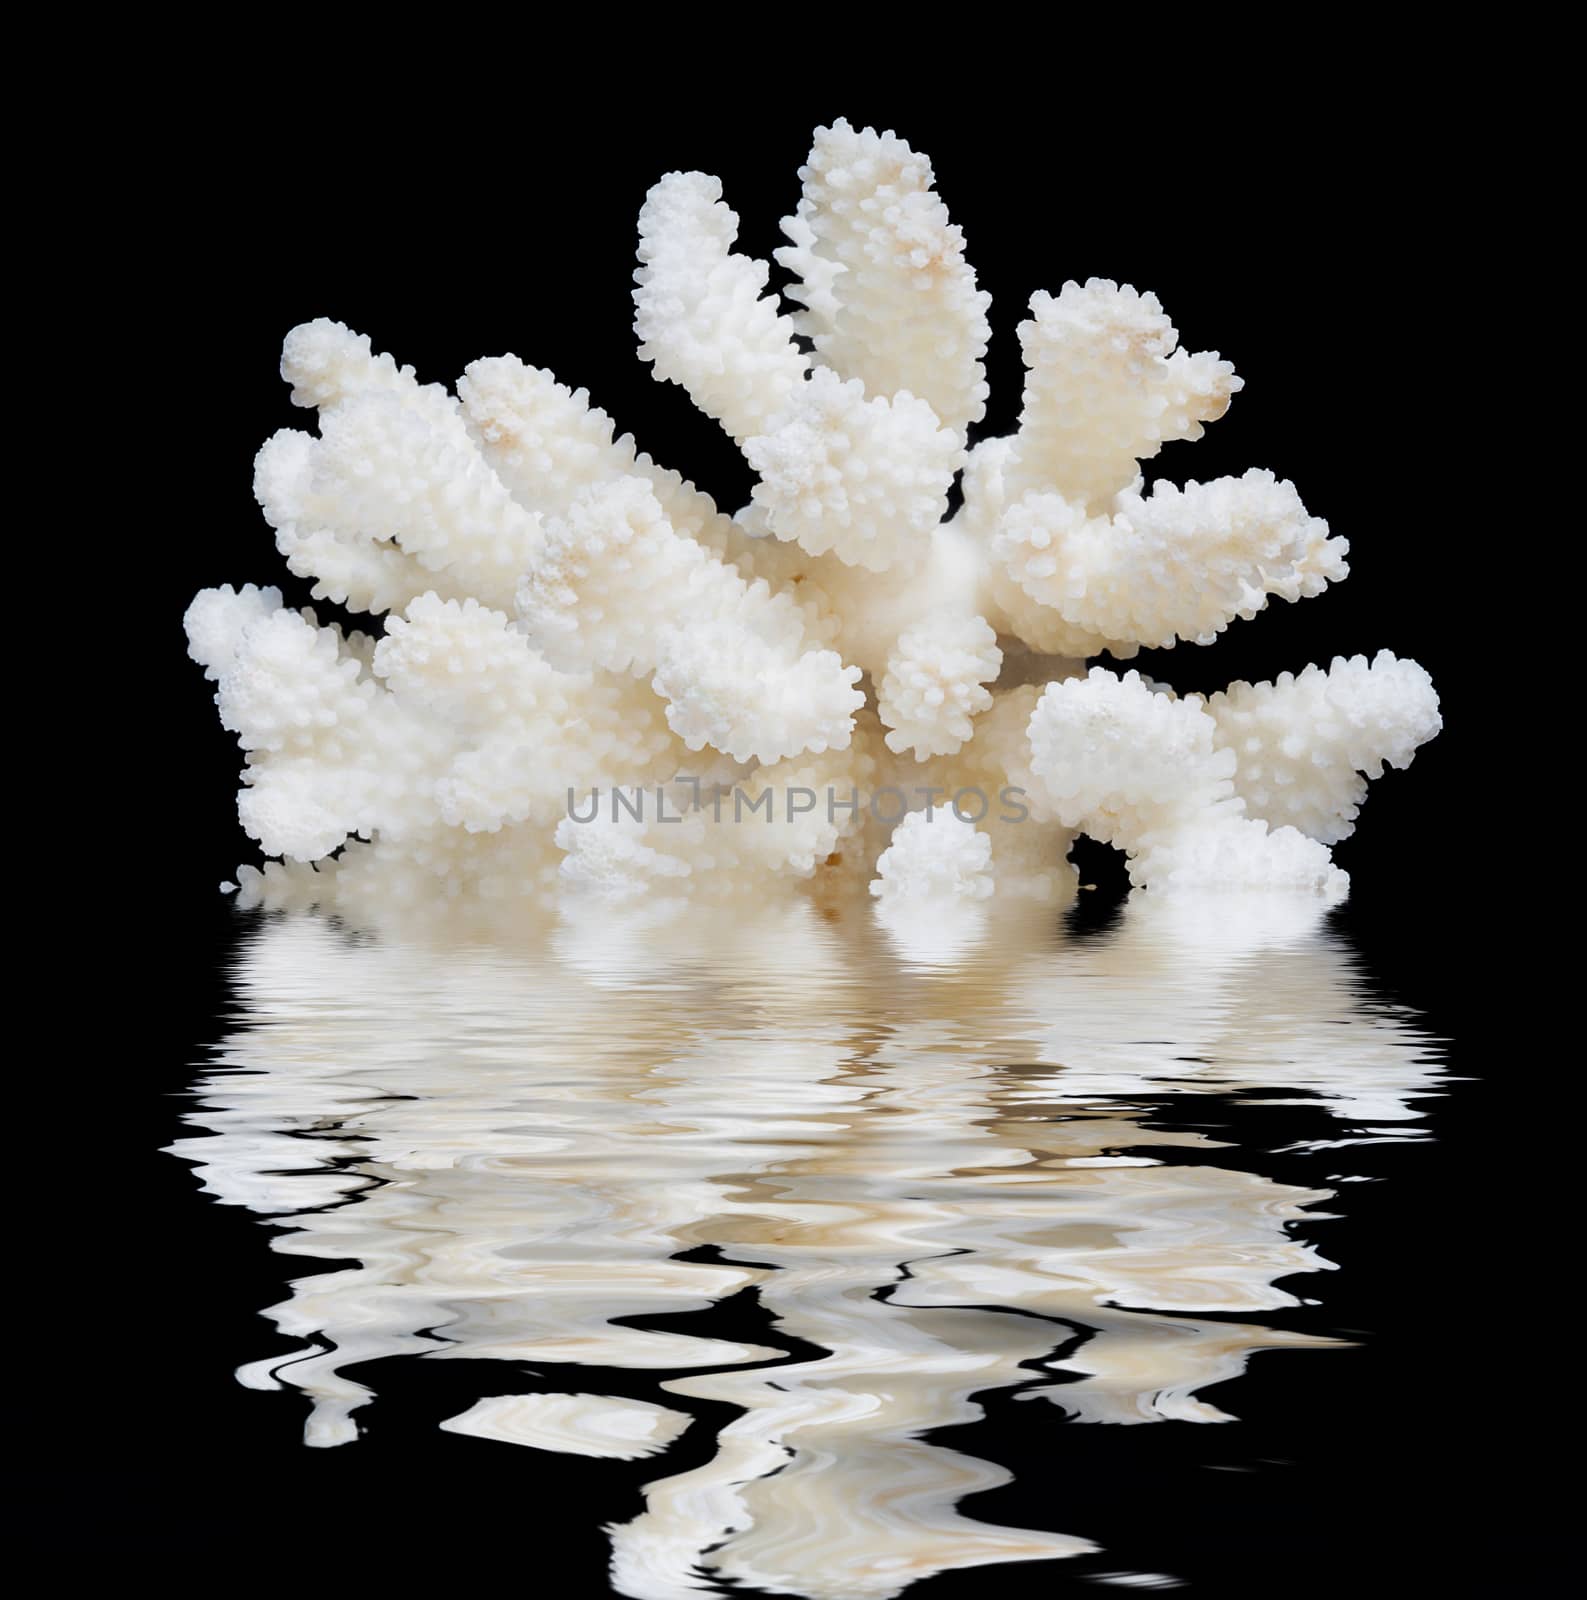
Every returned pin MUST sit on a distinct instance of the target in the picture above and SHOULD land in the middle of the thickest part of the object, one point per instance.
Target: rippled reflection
(946, 1160)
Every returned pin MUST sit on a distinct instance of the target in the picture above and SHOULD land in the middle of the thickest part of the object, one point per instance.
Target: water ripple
(937, 1178)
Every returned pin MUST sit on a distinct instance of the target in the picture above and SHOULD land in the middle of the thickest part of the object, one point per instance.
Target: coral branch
(1144, 771)
(889, 298)
(865, 479)
(702, 315)
(620, 588)
(1175, 564)
(1106, 387)
(1305, 746)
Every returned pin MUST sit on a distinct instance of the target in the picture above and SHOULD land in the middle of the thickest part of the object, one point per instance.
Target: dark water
(794, 1257)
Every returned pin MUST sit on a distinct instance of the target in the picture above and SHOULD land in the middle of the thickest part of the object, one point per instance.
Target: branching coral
(567, 623)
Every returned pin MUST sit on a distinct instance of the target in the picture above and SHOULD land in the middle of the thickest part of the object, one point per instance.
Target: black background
(1331, 240)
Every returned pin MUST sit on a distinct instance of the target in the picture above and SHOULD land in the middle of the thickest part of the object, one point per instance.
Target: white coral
(1106, 387)
(702, 316)
(620, 588)
(889, 298)
(935, 684)
(565, 618)
(1175, 564)
(934, 858)
(867, 479)
(1144, 771)
(1305, 746)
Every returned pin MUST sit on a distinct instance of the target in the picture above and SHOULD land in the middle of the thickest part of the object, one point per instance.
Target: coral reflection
(945, 1177)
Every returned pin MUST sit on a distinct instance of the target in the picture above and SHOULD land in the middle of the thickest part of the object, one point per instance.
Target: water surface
(947, 1164)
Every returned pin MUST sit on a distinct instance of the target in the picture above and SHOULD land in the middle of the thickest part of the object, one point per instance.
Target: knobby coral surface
(587, 678)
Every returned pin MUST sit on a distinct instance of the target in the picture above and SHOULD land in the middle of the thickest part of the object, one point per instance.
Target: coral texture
(588, 679)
